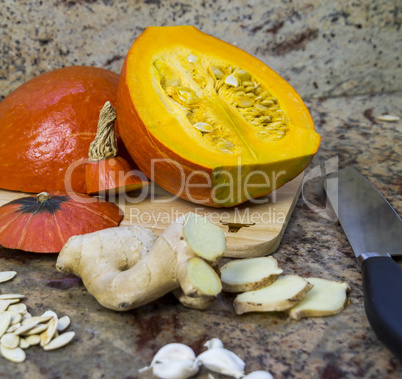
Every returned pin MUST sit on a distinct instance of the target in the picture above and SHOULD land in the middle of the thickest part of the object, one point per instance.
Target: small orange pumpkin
(43, 223)
(106, 172)
(48, 123)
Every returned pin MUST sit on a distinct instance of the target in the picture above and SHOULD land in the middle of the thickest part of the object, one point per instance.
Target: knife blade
(374, 231)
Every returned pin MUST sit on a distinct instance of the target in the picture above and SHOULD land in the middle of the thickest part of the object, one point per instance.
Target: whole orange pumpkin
(48, 123)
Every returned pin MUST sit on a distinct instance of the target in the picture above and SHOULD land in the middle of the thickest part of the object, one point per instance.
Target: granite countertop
(341, 57)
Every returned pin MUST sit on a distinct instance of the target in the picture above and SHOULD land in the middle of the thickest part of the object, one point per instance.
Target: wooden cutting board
(252, 229)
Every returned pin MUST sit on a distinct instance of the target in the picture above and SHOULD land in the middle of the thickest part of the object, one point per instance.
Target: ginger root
(125, 268)
(241, 275)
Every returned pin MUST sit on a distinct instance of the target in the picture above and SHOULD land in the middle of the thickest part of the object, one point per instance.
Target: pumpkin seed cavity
(216, 97)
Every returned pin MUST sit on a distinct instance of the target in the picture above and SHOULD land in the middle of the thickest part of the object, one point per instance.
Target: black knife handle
(382, 284)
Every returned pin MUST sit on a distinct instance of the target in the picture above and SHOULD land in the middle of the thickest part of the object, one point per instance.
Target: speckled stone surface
(351, 44)
(325, 49)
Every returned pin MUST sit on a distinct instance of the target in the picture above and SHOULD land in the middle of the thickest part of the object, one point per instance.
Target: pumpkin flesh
(222, 126)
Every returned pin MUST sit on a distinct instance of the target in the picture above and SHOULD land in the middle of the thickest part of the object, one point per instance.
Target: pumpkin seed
(388, 118)
(266, 119)
(243, 75)
(244, 102)
(63, 323)
(7, 275)
(23, 343)
(260, 107)
(10, 340)
(5, 320)
(25, 328)
(192, 58)
(50, 313)
(187, 95)
(33, 339)
(49, 333)
(258, 90)
(216, 71)
(36, 330)
(267, 103)
(36, 320)
(204, 127)
(232, 80)
(19, 308)
(276, 124)
(13, 328)
(11, 296)
(16, 355)
(225, 146)
(247, 83)
(15, 317)
(4, 304)
(60, 341)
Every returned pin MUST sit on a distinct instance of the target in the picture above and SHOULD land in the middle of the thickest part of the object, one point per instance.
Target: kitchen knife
(374, 231)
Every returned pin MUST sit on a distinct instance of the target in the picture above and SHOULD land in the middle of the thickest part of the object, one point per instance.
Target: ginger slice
(326, 298)
(198, 231)
(251, 274)
(278, 296)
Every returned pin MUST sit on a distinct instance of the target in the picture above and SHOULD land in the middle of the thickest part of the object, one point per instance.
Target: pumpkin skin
(44, 223)
(111, 175)
(48, 123)
(160, 135)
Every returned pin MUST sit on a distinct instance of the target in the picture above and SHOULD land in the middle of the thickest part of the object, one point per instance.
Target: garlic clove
(222, 361)
(173, 352)
(178, 369)
(213, 343)
(258, 375)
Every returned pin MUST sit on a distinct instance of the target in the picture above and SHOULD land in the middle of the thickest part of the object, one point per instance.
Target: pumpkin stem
(43, 196)
(104, 145)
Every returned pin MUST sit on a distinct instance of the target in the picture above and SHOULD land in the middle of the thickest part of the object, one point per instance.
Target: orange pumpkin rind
(207, 121)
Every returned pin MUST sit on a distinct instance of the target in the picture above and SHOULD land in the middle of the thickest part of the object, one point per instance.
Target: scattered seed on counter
(6, 275)
(33, 339)
(63, 324)
(19, 330)
(16, 355)
(24, 344)
(59, 341)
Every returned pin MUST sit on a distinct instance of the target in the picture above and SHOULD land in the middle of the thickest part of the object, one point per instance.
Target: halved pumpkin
(209, 122)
